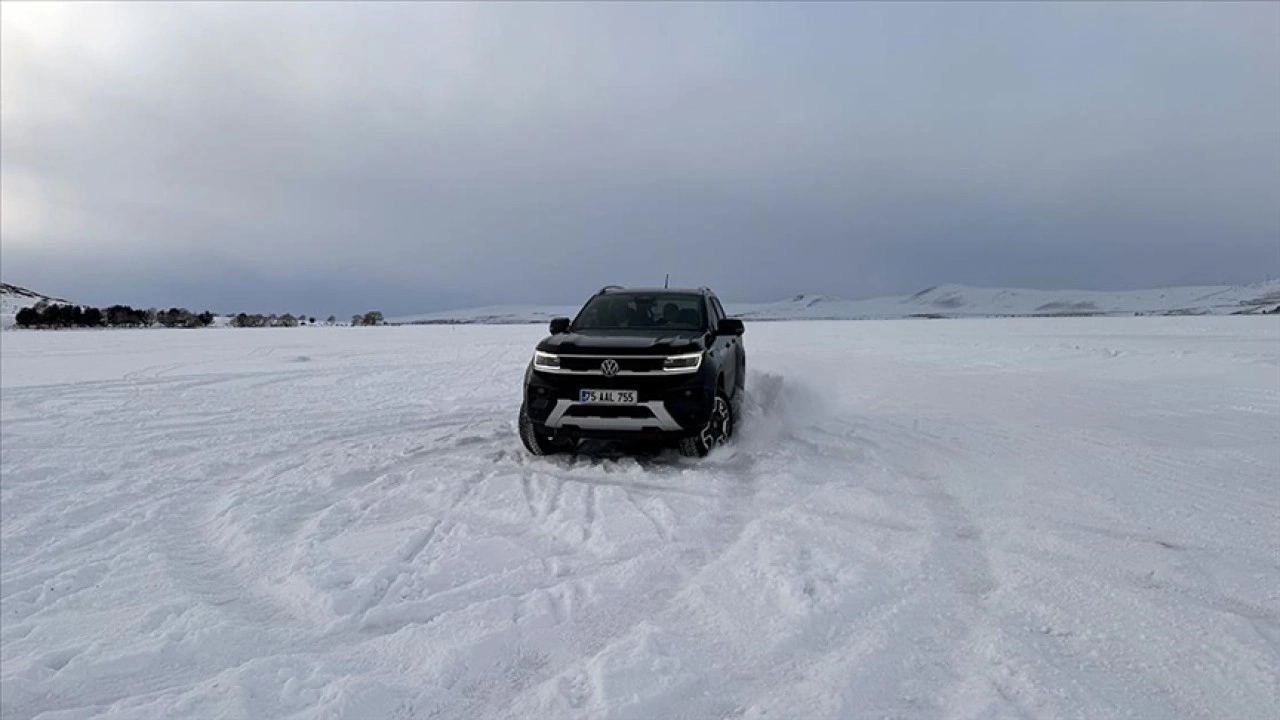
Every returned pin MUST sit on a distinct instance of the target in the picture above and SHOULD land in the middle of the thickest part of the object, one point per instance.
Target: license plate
(608, 397)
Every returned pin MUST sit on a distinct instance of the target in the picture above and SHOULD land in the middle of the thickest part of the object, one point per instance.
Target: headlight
(545, 361)
(683, 363)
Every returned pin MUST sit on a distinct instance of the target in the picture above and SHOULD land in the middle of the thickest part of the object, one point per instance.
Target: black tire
(716, 432)
(536, 439)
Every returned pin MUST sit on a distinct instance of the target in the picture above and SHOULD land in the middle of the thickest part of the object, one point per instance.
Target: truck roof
(655, 290)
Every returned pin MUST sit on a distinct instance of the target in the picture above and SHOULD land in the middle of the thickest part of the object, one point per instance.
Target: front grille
(609, 411)
(650, 387)
(584, 364)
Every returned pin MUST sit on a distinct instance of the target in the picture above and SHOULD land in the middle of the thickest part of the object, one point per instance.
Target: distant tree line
(370, 318)
(259, 320)
(58, 315)
(285, 320)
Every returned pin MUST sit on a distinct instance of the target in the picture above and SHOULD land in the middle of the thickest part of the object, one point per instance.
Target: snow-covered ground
(1035, 518)
(950, 301)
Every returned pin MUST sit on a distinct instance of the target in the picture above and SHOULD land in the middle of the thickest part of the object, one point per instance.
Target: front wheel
(536, 440)
(716, 432)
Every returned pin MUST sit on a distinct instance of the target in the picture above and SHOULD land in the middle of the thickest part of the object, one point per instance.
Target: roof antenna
(666, 284)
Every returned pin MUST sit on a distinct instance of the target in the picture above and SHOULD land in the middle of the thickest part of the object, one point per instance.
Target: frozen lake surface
(1040, 518)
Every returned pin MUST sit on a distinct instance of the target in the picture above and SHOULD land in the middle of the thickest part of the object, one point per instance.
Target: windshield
(635, 311)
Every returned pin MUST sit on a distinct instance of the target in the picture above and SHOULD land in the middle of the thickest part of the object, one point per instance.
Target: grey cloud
(413, 156)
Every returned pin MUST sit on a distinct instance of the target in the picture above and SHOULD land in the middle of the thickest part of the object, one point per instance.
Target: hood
(623, 342)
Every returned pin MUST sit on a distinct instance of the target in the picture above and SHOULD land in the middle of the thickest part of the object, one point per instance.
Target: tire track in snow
(526, 484)
(662, 530)
(590, 511)
(589, 627)
(953, 650)
(385, 579)
(735, 509)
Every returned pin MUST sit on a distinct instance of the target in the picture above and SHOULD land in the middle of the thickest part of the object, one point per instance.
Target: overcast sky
(328, 157)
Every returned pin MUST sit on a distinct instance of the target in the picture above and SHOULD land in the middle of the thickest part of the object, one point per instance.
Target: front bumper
(669, 405)
(597, 417)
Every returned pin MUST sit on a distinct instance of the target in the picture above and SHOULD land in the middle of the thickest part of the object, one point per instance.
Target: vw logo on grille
(609, 367)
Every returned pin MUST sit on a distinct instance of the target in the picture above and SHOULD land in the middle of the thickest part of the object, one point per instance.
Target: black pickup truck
(637, 363)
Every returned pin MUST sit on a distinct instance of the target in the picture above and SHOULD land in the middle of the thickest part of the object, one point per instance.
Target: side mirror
(559, 325)
(731, 326)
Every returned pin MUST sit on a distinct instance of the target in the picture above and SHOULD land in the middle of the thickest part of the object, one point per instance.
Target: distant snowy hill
(13, 298)
(944, 301)
(965, 301)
